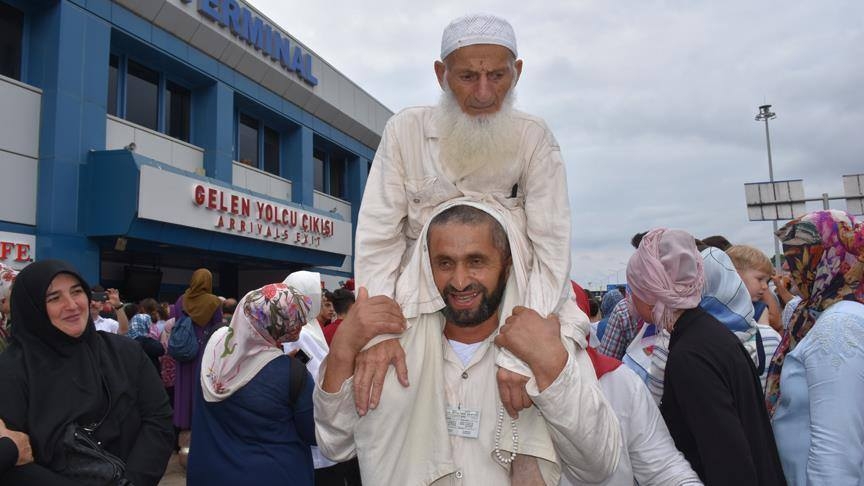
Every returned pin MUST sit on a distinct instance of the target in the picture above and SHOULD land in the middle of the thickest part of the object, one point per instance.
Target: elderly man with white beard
(473, 145)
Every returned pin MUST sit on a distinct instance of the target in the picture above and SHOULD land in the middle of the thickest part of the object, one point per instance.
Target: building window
(257, 144)
(271, 151)
(113, 79)
(328, 172)
(318, 157)
(142, 96)
(147, 98)
(337, 177)
(247, 140)
(178, 103)
(11, 38)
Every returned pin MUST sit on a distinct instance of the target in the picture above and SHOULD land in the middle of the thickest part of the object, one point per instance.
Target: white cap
(477, 29)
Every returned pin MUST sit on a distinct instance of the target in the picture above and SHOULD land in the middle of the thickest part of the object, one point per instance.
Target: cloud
(651, 101)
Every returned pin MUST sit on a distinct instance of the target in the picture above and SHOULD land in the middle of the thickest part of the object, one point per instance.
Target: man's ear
(518, 66)
(440, 70)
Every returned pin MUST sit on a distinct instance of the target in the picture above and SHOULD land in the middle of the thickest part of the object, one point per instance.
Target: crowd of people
(465, 355)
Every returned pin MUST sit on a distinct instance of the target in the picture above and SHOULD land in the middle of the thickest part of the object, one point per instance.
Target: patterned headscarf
(7, 278)
(139, 326)
(666, 272)
(825, 253)
(264, 319)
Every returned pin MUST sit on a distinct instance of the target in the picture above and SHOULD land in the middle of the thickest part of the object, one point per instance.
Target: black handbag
(87, 462)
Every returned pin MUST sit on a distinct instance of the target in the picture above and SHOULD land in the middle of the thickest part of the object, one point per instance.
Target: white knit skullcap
(477, 29)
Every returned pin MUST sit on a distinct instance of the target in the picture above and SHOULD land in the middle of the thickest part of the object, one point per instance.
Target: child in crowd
(755, 270)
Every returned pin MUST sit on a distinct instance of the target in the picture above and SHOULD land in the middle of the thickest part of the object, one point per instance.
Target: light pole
(766, 114)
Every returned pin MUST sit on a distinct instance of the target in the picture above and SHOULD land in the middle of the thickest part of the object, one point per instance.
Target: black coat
(49, 380)
(714, 406)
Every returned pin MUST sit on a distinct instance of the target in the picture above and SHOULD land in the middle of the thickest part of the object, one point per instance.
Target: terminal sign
(249, 216)
(255, 32)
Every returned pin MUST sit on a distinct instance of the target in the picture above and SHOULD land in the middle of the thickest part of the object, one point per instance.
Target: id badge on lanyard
(463, 422)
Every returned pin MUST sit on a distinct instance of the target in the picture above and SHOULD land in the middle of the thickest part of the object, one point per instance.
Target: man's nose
(461, 279)
(484, 92)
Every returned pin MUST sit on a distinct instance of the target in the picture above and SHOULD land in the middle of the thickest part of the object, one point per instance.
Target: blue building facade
(148, 138)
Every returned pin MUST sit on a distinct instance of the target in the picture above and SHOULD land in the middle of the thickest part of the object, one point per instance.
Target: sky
(652, 102)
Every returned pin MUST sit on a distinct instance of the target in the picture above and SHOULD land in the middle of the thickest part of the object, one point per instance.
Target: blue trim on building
(156, 38)
(17, 228)
(87, 196)
(113, 175)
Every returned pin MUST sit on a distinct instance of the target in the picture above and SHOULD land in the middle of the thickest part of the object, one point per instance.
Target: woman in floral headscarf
(816, 380)
(7, 277)
(254, 424)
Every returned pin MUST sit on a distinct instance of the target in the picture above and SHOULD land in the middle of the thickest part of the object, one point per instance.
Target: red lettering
(232, 224)
(211, 198)
(220, 223)
(234, 203)
(305, 224)
(5, 249)
(260, 206)
(293, 219)
(316, 225)
(243, 225)
(222, 206)
(23, 253)
(199, 194)
(244, 206)
(284, 219)
(268, 212)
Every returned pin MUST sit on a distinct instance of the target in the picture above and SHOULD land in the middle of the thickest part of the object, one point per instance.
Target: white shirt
(398, 443)
(312, 343)
(106, 324)
(649, 454)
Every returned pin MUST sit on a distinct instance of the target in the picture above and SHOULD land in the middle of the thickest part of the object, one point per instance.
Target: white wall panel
(186, 157)
(19, 117)
(118, 135)
(326, 202)
(279, 188)
(18, 188)
(238, 175)
(154, 145)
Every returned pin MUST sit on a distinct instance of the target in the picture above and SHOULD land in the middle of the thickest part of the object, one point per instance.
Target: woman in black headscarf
(59, 370)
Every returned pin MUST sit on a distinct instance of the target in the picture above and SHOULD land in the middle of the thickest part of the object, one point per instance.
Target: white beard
(468, 143)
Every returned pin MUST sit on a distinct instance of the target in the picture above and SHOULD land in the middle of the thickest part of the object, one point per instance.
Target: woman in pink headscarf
(712, 399)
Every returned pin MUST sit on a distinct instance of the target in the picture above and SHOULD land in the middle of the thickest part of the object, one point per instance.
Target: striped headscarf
(825, 253)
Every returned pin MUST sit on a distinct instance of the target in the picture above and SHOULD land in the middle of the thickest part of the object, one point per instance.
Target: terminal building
(143, 139)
